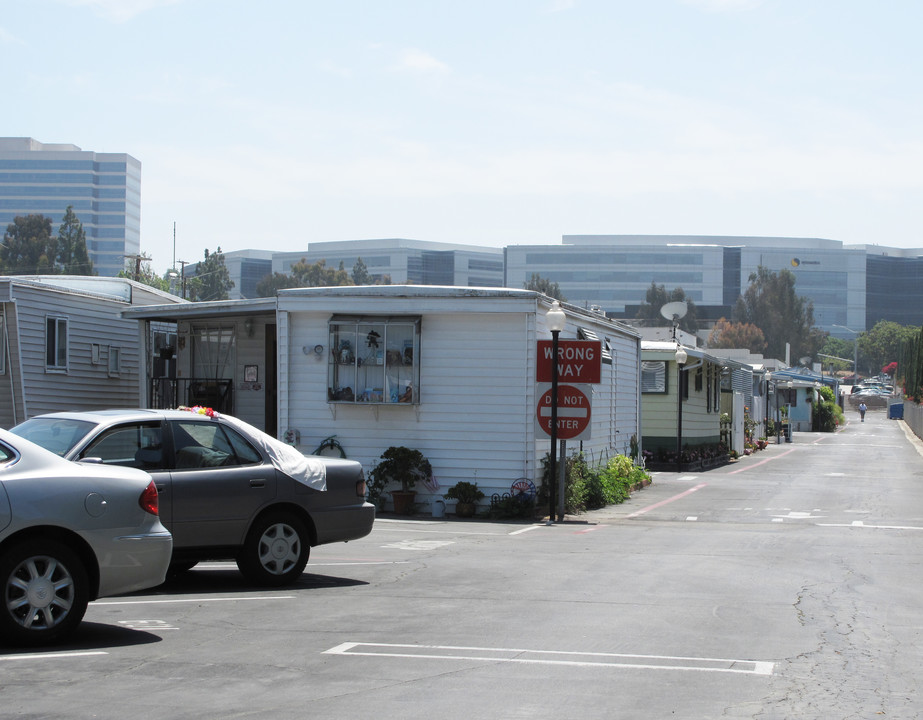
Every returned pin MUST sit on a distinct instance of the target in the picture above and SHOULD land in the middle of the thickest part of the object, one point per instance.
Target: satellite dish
(806, 361)
(674, 310)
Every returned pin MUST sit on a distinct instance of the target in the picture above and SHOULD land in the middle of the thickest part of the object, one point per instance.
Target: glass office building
(103, 188)
(410, 262)
(614, 272)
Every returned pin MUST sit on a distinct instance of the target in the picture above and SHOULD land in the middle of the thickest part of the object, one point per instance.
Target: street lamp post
(681, 357)
(855, 362)
(555, 319)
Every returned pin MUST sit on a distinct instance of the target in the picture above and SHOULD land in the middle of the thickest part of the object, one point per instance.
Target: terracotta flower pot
(465, 510)
(403, 501)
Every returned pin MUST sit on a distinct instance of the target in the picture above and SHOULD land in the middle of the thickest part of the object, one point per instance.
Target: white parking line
(193, 600)
(51, 656)
(861, 524)
(553, 657)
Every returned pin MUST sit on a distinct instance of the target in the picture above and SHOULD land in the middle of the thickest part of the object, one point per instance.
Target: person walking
(862, 409)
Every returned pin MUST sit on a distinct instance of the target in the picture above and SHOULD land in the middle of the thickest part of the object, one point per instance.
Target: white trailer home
(449, 371)
(64, 344)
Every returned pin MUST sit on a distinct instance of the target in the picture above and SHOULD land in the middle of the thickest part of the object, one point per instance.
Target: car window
(209, 444)
(6, 454)
(59, 435)
(138, 445)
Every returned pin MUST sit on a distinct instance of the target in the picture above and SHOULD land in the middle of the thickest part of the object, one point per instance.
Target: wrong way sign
(573, 411)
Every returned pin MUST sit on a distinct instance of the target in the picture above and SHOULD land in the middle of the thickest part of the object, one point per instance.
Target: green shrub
(589, 489)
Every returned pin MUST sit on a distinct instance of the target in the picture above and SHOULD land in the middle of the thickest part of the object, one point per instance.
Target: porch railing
(166, 393)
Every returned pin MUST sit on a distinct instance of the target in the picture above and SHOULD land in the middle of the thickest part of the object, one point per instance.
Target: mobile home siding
(92, 319)
(476, 417)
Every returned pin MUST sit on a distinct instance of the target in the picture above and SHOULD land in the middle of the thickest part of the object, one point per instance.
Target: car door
(219, 481)
(138, 445)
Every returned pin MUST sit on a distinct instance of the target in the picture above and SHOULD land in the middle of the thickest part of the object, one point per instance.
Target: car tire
(275, 551)
(45, 592)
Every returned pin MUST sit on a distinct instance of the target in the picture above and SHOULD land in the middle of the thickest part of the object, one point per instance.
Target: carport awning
(220, 308)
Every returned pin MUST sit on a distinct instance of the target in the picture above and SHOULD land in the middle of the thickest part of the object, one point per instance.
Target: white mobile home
(449, 371)
(64, 344)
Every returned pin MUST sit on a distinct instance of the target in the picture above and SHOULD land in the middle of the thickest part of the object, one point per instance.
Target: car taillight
(360, 486)
(149, 500)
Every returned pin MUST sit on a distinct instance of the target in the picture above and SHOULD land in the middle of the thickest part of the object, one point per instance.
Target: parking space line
(438, 532)
(866, 526)
(191, 600)
(554, 657)
(51, 656)
(525, 530)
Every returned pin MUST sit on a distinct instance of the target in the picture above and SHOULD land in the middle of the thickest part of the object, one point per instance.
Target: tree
(545, 286)
(882, 345)
(656, 298)
(271, 284)
(771, 304)
(147, 276)
(212, 280)
(728, 334)
(28, 247)
(319, 275)
(841, 348)
(72, 257)
(361, 274)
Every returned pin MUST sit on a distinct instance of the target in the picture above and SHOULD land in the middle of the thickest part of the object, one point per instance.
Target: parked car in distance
(227, 490)
(71, 533)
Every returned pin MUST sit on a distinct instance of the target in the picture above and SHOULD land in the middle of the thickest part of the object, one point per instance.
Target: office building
(103, 188)
(850, 286)
(406, 262)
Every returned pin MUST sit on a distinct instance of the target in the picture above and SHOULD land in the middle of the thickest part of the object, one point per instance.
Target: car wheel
(275, 551)
(45, 592)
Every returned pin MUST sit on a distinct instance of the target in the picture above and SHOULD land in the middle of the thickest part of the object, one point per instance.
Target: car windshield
(59, 435)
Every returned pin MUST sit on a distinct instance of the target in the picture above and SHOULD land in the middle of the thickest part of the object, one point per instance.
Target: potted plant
(466, 496)
(402, 465)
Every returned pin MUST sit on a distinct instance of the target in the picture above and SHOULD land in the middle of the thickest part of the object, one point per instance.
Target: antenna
(674, 311)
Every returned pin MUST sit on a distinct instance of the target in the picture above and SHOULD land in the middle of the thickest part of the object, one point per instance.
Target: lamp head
(681, 356)
(555, 319)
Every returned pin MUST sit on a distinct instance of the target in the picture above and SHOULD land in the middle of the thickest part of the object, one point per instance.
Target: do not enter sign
(573, 412)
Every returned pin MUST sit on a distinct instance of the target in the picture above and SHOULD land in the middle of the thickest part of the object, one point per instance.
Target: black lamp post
(681, 357)
(555, 320)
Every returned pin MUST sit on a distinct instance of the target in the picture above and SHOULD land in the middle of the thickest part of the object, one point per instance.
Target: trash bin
(896, 411)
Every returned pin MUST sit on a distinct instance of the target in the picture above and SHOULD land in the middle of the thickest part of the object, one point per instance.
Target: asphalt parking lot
(771, 588)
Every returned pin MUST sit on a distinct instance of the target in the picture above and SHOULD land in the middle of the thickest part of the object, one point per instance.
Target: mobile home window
(374, 360)
(56, 343)
(654, 376)
(115, 361)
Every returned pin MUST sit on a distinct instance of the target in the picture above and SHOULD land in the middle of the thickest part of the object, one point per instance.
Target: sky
(279, 123)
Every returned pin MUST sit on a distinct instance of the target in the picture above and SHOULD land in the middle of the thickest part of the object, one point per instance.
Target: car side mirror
(91, 460)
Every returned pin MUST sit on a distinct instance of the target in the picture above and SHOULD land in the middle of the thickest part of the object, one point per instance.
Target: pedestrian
(862, 409)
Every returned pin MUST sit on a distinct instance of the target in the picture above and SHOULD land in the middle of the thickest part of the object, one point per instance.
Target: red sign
(579, 361)
(573, 412)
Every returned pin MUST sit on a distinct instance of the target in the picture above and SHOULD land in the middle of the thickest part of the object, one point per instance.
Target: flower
(199, 410)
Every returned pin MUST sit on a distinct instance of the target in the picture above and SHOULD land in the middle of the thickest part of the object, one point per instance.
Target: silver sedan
(228, 490)
(70, 533)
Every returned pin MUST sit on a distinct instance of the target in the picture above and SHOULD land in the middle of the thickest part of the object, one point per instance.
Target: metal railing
(166, 393)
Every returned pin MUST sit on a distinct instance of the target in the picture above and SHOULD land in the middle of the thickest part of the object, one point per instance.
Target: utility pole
(183, 264)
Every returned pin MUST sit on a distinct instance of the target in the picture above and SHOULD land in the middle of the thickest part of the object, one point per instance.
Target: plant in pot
(466, 496)
(402, 465)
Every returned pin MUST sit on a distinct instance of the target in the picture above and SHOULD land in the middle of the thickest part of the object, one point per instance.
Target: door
(138, 445)
(219, 481)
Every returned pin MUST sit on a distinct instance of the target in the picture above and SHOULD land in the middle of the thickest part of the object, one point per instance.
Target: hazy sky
(277, 123)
